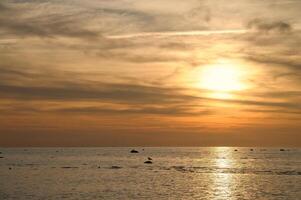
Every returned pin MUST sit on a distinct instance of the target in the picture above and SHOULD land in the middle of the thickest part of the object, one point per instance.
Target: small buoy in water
(148, 162)
(149, 158)
(134, 151)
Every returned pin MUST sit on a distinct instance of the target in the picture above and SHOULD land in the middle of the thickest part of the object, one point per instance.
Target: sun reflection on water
(222, 179)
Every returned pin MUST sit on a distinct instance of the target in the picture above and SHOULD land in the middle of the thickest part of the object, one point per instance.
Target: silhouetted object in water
(69, 167)
(251, 149)
(1, 157)
(235, 150)
(0, 152)
(9, 168)
(115, 167)
(282, 149)
(149, 158)
(148, 162)
(98, 167)
(134, 151)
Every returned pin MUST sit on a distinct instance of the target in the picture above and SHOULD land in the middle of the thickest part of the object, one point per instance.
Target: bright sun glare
(222, 76)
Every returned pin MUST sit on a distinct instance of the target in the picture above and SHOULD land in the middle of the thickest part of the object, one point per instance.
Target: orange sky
(160, 73)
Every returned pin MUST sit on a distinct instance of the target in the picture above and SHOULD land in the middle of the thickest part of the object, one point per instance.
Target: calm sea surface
(176, 173)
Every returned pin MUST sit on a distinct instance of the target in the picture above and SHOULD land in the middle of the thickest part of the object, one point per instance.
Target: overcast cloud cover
(123, 72)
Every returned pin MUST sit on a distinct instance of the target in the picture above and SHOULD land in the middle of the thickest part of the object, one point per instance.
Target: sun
(222, 76)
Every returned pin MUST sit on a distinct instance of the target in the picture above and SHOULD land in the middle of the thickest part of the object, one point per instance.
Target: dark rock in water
(9, 168)
(235, 150)
(98, 167)
(115, 167)
(149, 158)
(251, 149)
(148, 162)
(134, 151)
(69, 167)
(282, 149)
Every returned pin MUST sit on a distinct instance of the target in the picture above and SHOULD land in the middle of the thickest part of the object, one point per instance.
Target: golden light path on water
(222, 180)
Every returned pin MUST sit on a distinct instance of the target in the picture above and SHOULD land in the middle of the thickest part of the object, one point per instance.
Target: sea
(215, 173)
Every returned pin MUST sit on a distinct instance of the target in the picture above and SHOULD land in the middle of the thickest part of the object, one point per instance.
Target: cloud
(267, 27)
(107, 92)
(63, 28)
(130, 40)
(279, 94)
(167, 110)
(288, 105)
(3, 7)
(16, 23)
(177, 33)
(277, 60)
(30, 84)
(126, 94)
(279, 111)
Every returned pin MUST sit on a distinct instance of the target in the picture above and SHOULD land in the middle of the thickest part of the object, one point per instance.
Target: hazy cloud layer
(122, 59)
(278, 26)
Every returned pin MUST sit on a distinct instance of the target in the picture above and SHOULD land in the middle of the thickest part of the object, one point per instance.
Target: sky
(150, 73)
